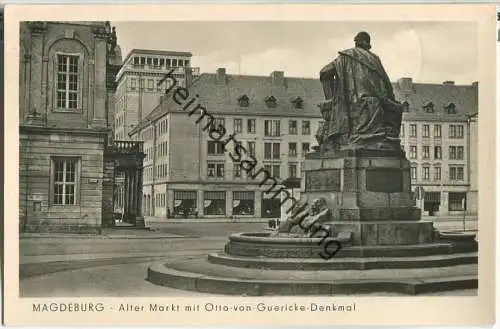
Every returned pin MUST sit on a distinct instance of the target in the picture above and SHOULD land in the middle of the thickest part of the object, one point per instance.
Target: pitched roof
(221, 97)
(464, 97)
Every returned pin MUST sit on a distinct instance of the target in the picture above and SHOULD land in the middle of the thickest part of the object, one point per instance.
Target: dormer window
(450, 108)
(243, 101)
(406, 106)
(298, 102)
(270, 101)
(429, 107)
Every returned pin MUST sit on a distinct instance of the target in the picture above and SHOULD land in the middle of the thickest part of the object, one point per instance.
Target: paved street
(115, 263)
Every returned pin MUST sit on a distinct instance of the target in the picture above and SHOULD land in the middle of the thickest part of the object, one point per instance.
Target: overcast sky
(426, 51)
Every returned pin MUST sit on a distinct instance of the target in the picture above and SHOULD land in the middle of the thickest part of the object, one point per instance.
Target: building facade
(67, 158)
(436, 136)
(139, 90)
(187, 173)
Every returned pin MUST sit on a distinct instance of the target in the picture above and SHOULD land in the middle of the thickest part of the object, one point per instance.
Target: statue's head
(362, 40)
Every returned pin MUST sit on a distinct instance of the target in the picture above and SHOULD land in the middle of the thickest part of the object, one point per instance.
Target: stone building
(68, 159)
(436, 135)
(277, 116)
(138, 90)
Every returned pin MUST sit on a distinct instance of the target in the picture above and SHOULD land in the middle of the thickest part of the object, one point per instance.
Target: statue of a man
(360, 107)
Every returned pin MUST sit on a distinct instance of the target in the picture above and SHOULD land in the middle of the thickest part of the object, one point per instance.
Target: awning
(291, 182)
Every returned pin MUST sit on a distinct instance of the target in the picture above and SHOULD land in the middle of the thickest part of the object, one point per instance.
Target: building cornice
(69, 131)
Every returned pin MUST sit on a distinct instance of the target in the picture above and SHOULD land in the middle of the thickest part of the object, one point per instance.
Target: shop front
(243, 203)
(214, 203)
(185, 204)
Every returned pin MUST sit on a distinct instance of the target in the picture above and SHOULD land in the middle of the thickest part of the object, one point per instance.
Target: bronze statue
(360, 108)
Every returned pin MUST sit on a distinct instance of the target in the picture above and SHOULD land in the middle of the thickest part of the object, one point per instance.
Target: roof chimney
(405, 84)
(278, 78)
(475, 84)
(448, 82)
(221, 75)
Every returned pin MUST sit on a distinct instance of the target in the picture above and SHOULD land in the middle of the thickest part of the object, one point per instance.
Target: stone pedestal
(369, 194)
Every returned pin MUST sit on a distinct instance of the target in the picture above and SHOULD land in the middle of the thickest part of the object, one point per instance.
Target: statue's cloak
(363, 104)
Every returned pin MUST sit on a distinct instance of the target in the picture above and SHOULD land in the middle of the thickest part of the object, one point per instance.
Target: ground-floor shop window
(185, 203)
(457, 201)
(214, 202)
(243, 203)
(432, 201)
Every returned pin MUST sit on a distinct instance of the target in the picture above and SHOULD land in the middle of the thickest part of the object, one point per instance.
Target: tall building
(67, 157)
(139, 91)
(275, 118)
(187, 173)
(436, 135)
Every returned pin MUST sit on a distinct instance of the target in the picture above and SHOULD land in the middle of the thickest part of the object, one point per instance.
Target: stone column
(99, 73)
(139, 191)
(35, 87)
(133, 193)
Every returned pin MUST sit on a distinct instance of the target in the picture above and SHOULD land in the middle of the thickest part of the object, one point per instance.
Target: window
(456, 153)
(413, 171)
(268, 150)
(151, 84)
(136, 60)
(292, 149)
(141, 84)
(456, 131)
(149, 60)
(456, 173)
(437, 131)
(243, 101)
(426, 131)
(450, 108)
(217, 124)
(67, 88)
(292, 170)
(64, 181)
(306, 127)
(413, 152)
(251, 148)
(426, 173)
(272, 128)
(276, 150)
(457, 201)
(305, 148)
(215, 148)
(155, 61)
(215, 170)
(426, 152)
(298, 102)
(162, 61)
(437, 153)
(292, 127)
(236, 170)
(238, 125)
(174, 62)
(243, 203)
(251, 126)
(413, 130)
(406, 106)
(437, 173)
(168, 62)
(271, 150)
(270, 101)
(133, 84)
(276, 171)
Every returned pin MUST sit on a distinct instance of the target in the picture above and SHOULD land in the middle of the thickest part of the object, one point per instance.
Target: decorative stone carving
(37, 27)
